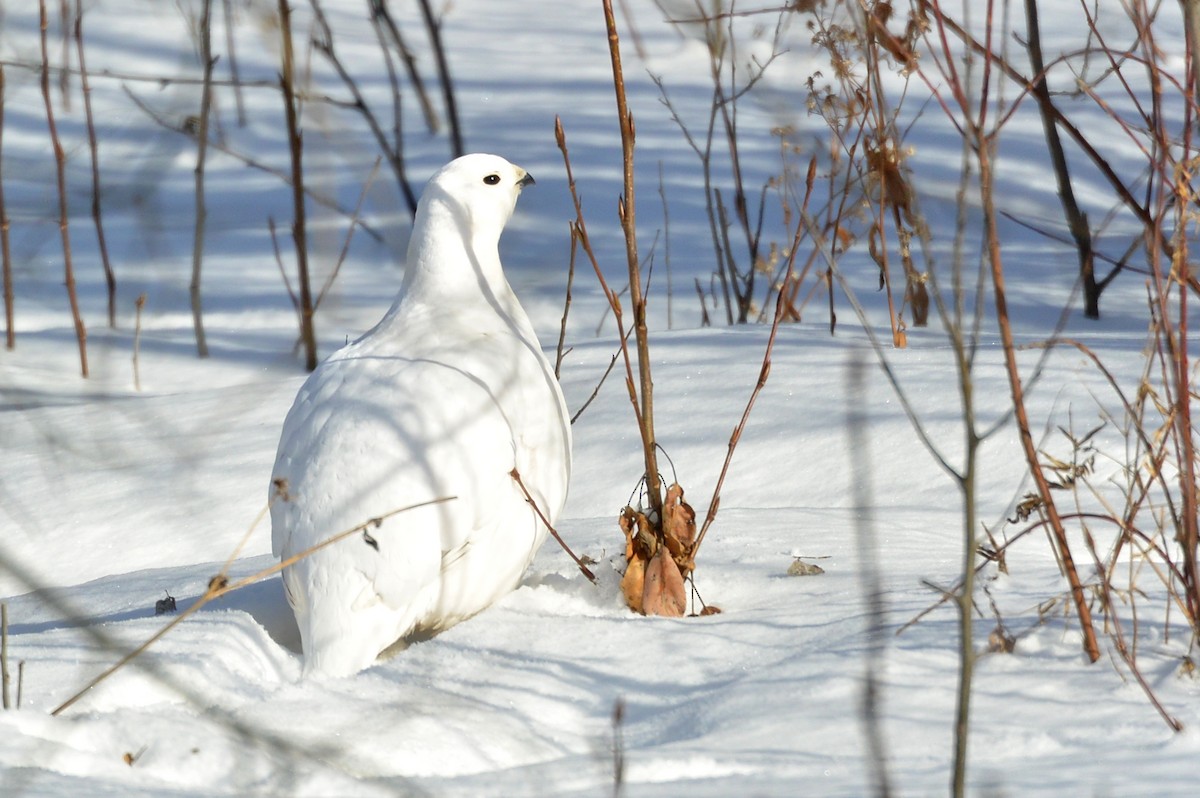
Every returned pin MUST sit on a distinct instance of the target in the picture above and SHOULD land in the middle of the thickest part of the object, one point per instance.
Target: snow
(113, 497)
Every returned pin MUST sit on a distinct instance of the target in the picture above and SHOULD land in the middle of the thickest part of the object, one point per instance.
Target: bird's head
(480, 190)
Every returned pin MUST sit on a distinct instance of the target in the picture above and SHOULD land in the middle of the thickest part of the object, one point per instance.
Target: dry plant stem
(975, 122)
(93, 147)
(1123, 650)
(1090, 647)
(626, 209)
(60, 161)
(562, 330)
(201, 158)
(296, 146)
(434, 27)
(595, 391)
(10, 333)
(1156, 452)
(516, 475)
(1077, 221)
(580, 232)
(220, 585)
(765, 371)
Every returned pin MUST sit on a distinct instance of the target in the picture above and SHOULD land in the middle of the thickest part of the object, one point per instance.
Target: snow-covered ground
(111, 497)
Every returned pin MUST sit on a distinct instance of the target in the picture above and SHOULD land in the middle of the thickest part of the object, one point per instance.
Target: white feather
(444, 397)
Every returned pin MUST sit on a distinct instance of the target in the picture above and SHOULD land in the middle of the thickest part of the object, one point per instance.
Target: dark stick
(296, 144)
(380, 11)
(1077, 221)
(110, 278)
(439, 51)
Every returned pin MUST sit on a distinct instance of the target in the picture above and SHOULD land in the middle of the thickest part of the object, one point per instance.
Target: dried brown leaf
(663, 592)
(633, 582)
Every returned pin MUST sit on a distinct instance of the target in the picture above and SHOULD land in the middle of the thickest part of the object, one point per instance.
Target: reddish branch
(60, 162)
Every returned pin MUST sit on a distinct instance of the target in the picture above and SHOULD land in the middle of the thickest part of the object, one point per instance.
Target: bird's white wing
(370, 434)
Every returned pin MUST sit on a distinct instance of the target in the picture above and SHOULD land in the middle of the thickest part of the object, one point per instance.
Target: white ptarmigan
(444, 397)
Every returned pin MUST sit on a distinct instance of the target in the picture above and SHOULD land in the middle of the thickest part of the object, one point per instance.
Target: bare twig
(612, 362)
(627, 211)
(715, 503)
(562, 330)
(434, 27)
(109, 277)
(550, 527)
(296, 146)
(201, 211)
(1077, 221)
(60, 162)
(982, 148)
(380, 13)
(220, 585)
(337, 266)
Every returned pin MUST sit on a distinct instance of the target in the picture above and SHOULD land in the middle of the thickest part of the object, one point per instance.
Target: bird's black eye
(492, 180)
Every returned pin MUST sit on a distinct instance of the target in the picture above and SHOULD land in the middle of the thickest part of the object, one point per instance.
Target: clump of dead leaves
(659, 560)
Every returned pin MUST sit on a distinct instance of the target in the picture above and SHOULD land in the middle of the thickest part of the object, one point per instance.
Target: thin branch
(220, 585)
(562, 330)
(434, 27)
(381, 13)
(626, 210)
(550, 527)
(201, 157)
(93, 147)
(296, 147)
(60, 162)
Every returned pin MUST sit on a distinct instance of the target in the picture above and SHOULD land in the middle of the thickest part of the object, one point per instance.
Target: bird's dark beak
(527, 180)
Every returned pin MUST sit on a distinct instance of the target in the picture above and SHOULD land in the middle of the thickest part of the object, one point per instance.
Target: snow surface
(112, 497)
